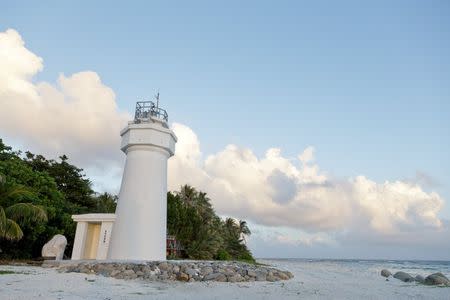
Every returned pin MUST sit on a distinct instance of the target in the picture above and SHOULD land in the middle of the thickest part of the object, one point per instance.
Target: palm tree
(19, 212)
(244, 229)
(232, 227)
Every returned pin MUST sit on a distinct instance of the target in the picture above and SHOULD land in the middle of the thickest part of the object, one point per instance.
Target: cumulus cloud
(276, 191)
(77, 116)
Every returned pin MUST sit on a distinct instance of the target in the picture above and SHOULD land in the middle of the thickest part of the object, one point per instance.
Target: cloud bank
(276, 191)
(78, 115)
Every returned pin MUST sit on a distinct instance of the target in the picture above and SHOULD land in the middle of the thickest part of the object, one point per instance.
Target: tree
(16, 213)
(37, 189)
(244, 230)
(192, 219)
(105, 203)
(69, 179)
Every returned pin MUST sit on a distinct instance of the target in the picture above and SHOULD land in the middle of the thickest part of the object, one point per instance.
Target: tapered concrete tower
(139, 232)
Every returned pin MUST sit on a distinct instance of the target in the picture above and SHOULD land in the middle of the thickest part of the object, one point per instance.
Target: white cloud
(79, 116)
(276, 191)
(18, 65)
(307, 155)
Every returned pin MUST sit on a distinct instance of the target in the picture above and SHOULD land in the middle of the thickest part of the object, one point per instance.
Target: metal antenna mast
(157, 99)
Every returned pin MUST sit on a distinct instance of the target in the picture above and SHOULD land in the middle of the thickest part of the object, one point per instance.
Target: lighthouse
(139, 231)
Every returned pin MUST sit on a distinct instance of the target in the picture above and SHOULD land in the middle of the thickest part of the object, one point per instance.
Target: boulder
(190, 272)
(437, 279)
(215, 277)
(207, 270)
(235, 278)
(405, 277)
(420, 279)
(385, 273)
(282, 275)
(175, 269)
(55, 247)
(163, 266)
(183, 277)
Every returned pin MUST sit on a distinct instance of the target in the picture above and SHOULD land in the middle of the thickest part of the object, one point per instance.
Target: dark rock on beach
(385, 273)
(420, 279)
(405, 277)
(437, 279)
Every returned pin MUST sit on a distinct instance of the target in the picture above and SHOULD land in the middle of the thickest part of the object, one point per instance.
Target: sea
(360, 278)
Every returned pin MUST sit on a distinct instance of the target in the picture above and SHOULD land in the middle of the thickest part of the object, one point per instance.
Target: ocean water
(357, 279)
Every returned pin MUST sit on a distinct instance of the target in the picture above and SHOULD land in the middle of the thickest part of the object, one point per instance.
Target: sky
(326, 125)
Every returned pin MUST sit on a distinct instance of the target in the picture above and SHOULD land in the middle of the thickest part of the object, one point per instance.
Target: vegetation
(191, 218)
(38, 197)
(9, 228)
(33, 186)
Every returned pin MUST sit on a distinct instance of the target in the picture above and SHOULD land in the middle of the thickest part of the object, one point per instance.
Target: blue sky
(366, 84)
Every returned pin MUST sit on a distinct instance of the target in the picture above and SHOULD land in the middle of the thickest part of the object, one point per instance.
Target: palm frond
(11, 231)
(26, 212)
(2, 219)
(9, 190)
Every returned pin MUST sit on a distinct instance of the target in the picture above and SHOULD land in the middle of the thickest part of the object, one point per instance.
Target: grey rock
(182, 271)
(55, 247)
(221, 278)
(163, 266)
(215, 277)
(260, 277)
(164, 276)
(207, 270)
(211, 277)
(437, 279)
(419, 278)
(190, 272)
(129, 274)
(282, 275)
(385, 273)
(235, 278)
(271, 278)
(140, 273)
(405, 277)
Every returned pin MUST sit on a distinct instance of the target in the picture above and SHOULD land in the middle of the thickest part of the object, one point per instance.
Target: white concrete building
(139, 231)
(93, 236)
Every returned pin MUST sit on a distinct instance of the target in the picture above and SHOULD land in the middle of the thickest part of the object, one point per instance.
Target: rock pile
(190, 271)
(433, 279)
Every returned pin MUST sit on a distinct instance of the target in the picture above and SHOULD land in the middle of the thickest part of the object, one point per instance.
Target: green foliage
(106, 203)
(222, 254)
(16, 213)
(57, 187)
(191, 218)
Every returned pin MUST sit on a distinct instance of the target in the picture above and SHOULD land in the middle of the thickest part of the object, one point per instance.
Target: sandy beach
(313, 280)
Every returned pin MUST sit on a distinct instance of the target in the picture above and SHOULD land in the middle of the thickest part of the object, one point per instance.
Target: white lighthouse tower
(139, 231)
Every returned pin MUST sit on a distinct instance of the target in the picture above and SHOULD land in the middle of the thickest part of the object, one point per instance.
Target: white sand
(312, 281)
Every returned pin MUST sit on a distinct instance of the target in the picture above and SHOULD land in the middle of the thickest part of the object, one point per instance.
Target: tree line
(39, 195)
